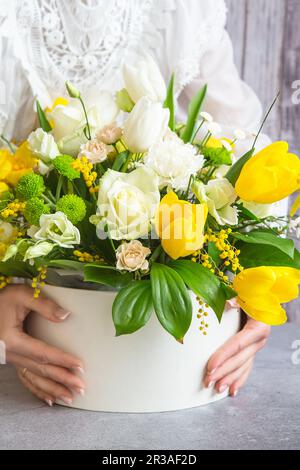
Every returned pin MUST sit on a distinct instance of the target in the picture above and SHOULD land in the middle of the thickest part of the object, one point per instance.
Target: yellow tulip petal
(3, 187)
(286, 285)
(274, 318)
(295, 206)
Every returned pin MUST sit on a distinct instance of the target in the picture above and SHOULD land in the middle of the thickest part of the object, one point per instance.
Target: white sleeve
(17, 115)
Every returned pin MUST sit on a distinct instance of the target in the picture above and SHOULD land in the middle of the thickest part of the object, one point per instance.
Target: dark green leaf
(246, 213)
(253, 256)
(193, 114)
(132, 307)
(172, 301)
(263, 238)
(169, 103)
(107, 276)
(214, 253)
(44, 123)
(235, 171)
(229, 292)
(203, 283)
(66, 264)
(120, 161)
(13, 268)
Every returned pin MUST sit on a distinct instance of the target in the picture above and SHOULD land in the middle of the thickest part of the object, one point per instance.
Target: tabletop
(265, 415)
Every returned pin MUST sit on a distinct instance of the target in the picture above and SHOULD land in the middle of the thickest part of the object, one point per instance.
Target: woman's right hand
(47, 372)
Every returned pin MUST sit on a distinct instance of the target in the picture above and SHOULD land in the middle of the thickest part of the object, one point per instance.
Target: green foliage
(30, 186)
(265, 238)
(203, 283)
(63, 164)
(217, 156)
(44, 123)
(169, 103)
(193, 114)
(107, 276)
(124, 102)
(132, 307)
(73, 206)
(171, 300)
(35, 207)
(253, 256)
(235, 171)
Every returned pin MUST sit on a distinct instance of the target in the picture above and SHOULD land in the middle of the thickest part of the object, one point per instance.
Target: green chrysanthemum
(63, 164)
(34, 209)
(30, 186)
(217, 156)
(73, 206)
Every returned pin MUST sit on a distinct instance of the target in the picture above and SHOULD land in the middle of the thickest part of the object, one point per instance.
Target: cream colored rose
(127, 203)
(132, 256)
(94, 151)
(110, 134)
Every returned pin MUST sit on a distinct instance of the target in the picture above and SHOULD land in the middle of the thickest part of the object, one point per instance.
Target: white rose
(56, 228)
(174, 162)
(69, 121)
(145, 79)
(146, 125)
(44, 145)
(128, 202)
(42, 248)
(219, 195)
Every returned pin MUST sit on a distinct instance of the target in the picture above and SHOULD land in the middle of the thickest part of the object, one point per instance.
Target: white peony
(146, 125)
(69, 121)
(219, 195)
(43, 144)
(56, 228)
(127, 203)
(174, 162)
(145, 79)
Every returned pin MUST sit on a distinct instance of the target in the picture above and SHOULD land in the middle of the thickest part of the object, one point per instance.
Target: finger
(57, 374)
(43, 306)
(35, 391)
(234, 363)
(226, 382)
(49, 387)
(236, 386)
(235, 345)
(44, 354)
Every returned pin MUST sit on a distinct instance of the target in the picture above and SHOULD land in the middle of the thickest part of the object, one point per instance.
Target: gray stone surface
(266, 415)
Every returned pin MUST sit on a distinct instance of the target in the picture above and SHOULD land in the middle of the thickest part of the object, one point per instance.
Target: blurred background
(266, 39)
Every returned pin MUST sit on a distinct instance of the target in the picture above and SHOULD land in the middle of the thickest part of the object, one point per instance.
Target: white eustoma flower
(56, 228)
(219, 195)
(69, 120)
(174, 162)
(127, 203)
(294, 227)
(146, 125)
(42, 248)
(144, 79)
(43, 144)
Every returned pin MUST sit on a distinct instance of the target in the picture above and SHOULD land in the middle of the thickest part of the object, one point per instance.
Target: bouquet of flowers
(152, 208)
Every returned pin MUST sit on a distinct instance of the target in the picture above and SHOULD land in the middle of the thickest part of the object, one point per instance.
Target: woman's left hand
(230, 367)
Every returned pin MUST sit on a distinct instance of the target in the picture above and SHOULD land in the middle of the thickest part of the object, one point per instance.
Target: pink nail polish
(235, 393)
(211, 372)
(66, 400)
(211, 385)
(49, 403)
(79, 369)
(80, 391)
(223, 388)
(62, 314)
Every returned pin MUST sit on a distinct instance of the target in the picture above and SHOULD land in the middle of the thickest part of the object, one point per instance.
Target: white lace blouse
(43, 43)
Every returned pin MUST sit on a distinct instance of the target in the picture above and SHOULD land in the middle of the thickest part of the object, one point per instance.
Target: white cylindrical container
(147, 371)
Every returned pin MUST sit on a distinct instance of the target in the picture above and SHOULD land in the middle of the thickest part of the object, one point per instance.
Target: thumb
(43, 306)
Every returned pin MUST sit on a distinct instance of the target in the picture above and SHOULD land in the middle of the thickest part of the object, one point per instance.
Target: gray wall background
(266, 38)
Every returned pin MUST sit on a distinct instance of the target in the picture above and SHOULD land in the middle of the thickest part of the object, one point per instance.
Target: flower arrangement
(152, 208)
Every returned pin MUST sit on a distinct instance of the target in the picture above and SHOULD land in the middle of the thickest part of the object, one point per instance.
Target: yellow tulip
(261, 291)
(270, 176)
(14, 166)
(180, 226)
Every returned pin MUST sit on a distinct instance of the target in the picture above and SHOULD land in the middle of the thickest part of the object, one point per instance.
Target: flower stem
(89, 135)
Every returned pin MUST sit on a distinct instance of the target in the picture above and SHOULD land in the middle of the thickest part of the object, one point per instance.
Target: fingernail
(66, 400)
(235, 393)
(223, 388)
(211, 385)
(80, 391)
(49, 402)
(211, 372)
(79, 369)
(62, 314)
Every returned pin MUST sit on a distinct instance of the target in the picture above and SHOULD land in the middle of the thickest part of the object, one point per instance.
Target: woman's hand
(47, 372)
(230, 367)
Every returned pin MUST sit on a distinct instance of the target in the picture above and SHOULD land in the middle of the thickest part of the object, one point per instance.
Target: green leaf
(44, 123)
(193, 114)
(120, 161)
(66, 264)
(106, 275)
(13, 268)
(235, 171)
(203, 283)
(246, 213)
(253, 256)
(132, 307)
(228, 291)
(263, 238)
(214, 253)
(172, 301)
(169, 103)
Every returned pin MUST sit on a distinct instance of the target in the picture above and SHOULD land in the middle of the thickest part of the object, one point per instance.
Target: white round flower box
(147, 371)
